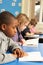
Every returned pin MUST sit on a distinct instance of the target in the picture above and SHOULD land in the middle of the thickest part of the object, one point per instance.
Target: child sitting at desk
(18, 37)
(23, 27)
(8, 24)
(24, 21)
(32, 25)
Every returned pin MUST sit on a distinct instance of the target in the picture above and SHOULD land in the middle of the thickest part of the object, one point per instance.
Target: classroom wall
(14, 6)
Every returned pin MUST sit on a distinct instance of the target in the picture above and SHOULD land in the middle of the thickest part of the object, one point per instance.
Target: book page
(32, 56)
(32, 42)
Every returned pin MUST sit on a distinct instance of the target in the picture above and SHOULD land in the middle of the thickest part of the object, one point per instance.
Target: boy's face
(10, 29)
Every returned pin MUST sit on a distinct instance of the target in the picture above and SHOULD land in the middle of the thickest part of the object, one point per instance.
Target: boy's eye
(14, 27)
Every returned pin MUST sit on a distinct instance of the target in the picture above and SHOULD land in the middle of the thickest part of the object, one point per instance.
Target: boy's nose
(15, 31)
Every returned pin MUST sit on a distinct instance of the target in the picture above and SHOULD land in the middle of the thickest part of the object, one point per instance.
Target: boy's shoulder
(2, 35)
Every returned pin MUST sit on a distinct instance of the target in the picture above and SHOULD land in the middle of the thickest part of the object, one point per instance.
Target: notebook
(32, 42)
(32, 56)
(33, 36)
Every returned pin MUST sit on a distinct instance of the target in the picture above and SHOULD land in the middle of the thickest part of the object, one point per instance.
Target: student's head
(33, 22)
(8, 23)
(23, 19)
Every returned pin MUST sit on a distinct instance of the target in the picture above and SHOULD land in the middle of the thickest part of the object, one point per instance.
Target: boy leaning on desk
(8, 24)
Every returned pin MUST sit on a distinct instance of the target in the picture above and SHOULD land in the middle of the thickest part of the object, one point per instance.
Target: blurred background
(32, 8)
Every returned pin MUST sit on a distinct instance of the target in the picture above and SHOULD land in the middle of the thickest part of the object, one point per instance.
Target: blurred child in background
(32, 25)
(24, 21)
(22, 25)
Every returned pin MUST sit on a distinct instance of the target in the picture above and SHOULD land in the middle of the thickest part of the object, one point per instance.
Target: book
(32, 56)
(32, 42)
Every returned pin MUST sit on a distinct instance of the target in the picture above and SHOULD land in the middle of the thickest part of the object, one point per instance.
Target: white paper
(31, 42)
(36, 36)
(32, 56)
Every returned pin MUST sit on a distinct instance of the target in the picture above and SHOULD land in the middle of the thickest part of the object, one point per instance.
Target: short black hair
(5, 17)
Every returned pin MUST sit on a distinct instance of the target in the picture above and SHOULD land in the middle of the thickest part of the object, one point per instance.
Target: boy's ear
(3, 27)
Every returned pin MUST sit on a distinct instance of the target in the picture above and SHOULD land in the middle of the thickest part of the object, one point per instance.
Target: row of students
(12, 33)
(25, 28)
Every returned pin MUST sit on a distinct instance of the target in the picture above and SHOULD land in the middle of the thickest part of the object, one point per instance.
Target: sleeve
(13, 45)
(20, 36)
(26, 30)
(5, 58)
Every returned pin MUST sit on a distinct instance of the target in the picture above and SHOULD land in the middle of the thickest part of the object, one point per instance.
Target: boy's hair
(5, 17)
(22, 18)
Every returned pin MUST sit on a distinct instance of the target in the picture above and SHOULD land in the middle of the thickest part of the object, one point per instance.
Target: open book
(32, 42)
(32, 56)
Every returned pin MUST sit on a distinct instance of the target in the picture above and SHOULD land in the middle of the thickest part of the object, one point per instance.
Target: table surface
(27, 49)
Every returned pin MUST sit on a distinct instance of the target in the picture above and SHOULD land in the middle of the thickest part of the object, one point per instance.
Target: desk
(41, 38)
(27, 49)
(34, 37)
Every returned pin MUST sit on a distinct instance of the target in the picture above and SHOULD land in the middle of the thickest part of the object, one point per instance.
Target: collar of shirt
(3, 36)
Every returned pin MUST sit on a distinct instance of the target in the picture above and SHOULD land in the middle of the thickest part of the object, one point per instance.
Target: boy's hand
(19, 53)
(22, 42)
(14, 55)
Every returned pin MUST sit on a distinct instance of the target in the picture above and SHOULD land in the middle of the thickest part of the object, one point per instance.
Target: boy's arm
(4, 58)
(13, 45)
(16, 49)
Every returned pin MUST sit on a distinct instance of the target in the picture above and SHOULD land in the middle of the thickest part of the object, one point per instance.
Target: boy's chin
(11, 36)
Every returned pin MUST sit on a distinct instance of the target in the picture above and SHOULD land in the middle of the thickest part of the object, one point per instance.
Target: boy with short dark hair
(8, 24)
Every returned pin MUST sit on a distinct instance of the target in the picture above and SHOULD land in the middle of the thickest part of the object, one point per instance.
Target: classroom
(21, 32)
